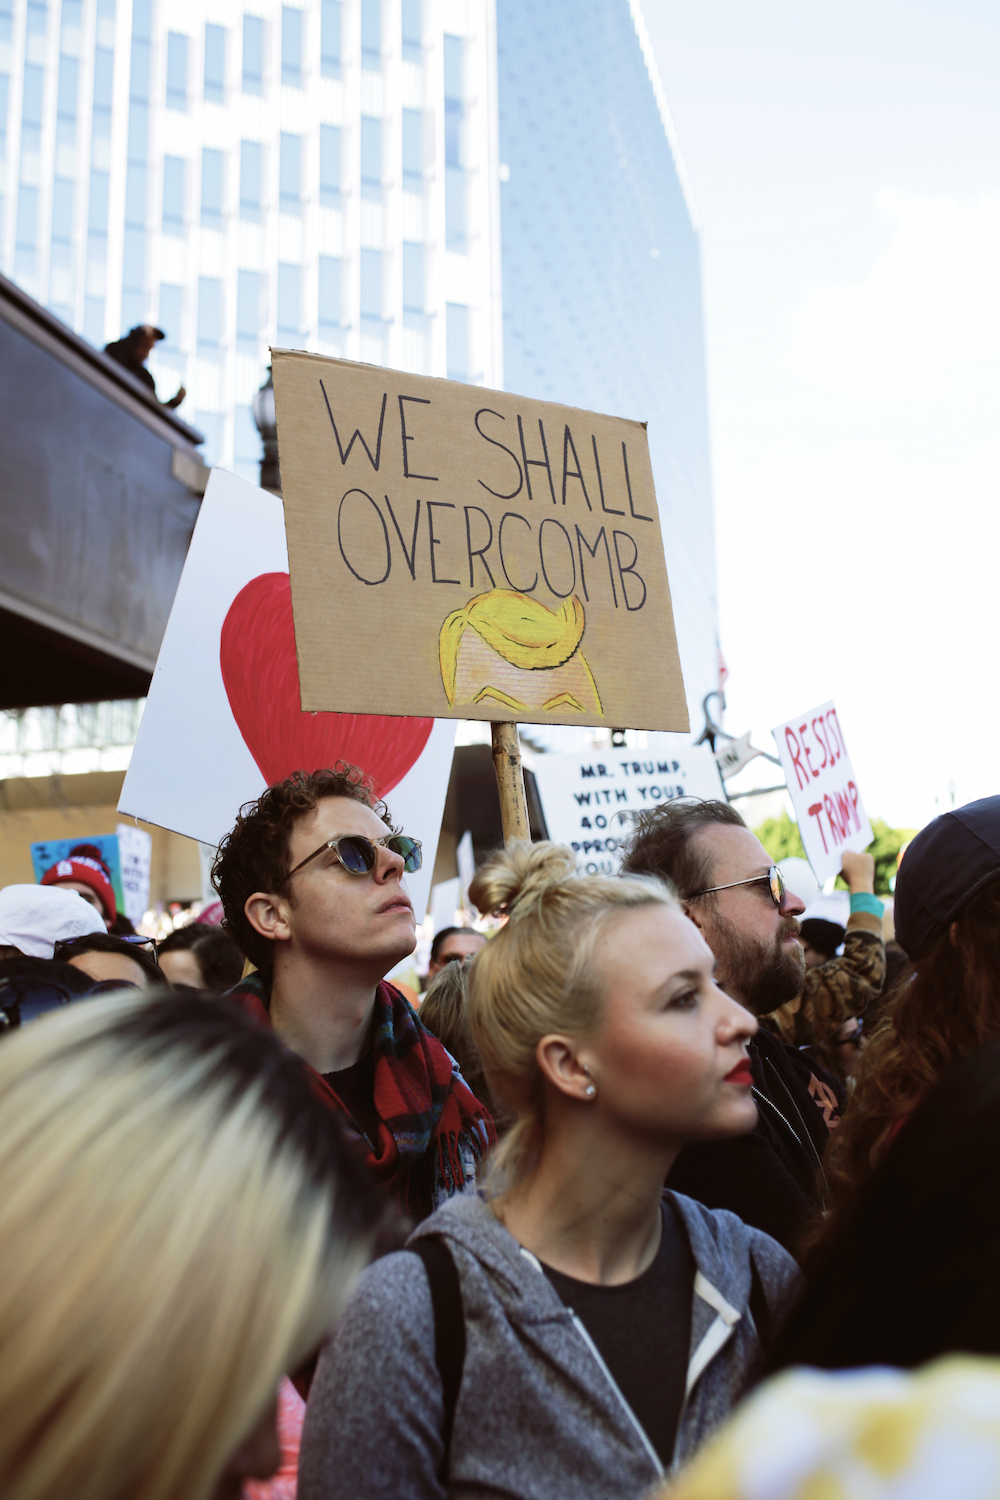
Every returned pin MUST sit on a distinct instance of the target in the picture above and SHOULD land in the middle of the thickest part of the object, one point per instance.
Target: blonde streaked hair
(536, 977)
(523, 631)
(179, 1224)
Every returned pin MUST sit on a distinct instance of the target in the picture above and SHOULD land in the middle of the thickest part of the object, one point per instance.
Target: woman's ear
(559, 1059)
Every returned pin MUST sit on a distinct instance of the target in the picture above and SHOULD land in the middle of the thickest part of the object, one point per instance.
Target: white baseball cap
(33, 918)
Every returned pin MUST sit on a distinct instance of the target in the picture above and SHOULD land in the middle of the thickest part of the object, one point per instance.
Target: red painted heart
(260, 671)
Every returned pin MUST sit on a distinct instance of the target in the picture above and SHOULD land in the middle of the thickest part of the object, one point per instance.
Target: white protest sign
(135, 847)
(589, 801)
(223, 718)
(823, 788)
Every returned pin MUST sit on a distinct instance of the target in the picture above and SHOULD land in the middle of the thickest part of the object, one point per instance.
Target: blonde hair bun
(518, 879)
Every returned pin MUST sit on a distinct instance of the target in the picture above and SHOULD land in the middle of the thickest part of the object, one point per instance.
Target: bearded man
(734, 893)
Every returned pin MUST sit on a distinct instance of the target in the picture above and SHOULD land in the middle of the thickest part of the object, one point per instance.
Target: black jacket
(772, 1178)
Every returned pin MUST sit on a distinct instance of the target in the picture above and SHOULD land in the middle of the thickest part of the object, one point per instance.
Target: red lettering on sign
(831, 816)
(814, 812)
(817, 729)
(838, 742)
(800, 771)
(853, 794)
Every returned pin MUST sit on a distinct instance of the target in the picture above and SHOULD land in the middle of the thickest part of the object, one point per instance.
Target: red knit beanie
(84, 863)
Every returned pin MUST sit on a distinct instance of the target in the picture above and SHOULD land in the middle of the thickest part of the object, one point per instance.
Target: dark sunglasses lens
(409, 850)
(38, 1001)
(357, 854)
(777, 886)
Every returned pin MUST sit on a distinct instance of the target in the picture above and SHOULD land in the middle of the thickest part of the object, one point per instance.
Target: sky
(845, 164)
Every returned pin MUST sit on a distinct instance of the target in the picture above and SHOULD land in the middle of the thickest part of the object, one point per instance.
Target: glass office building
(483, 189)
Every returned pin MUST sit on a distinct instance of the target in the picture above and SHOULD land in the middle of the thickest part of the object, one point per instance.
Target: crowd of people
(661, 1190)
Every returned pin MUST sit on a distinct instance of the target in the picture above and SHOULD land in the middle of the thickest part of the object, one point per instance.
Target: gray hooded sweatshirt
(538, 1416)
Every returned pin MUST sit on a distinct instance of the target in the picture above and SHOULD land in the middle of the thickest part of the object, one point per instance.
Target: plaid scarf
(432, 1129)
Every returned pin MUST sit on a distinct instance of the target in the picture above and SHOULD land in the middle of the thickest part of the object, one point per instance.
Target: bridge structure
(100, 487)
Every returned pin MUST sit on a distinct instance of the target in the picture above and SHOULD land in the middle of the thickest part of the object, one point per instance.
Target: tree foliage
(781, 839)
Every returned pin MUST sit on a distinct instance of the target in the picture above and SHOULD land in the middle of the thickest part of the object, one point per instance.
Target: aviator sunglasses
(358, 854)
(772, 880)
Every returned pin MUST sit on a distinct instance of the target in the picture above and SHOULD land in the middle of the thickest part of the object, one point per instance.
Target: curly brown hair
(949, 1009)
(254, 856)
(662, 842)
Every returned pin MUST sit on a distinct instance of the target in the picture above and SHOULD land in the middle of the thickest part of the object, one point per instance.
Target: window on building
(212, 188)
(253, 55)
(413, 149)
(251, 178)
(371, 283)
(371, 34)
(211, 312)
(454, 122)
(134, 260)
(215, 64)
(70, 19)
(411, 31)
(413, 277)
(68, 87)
(174, 172)
(289, 298)
(62, 209)
(371, 150)
(249, 309)
(247, 447)
(213, 425)
(290, 174)
(97, 218)
(135, 194)
(169, 317)
(330, 286)
(177, 70)
(104, 61)
(329, 45)
(329, 164)
(291, 46)
(458, 341)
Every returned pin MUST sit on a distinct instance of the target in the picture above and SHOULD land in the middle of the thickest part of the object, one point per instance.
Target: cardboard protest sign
(823, 788)
(52, 851)
(222, 720)
(473, 554)
(589, 801)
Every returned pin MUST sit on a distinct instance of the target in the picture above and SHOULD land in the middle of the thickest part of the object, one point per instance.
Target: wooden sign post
(510, 782)
(461, 553)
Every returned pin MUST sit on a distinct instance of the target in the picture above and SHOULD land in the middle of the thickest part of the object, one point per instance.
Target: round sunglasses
(358, 855)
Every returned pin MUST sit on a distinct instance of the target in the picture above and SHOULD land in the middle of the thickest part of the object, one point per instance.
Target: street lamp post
(267, 426)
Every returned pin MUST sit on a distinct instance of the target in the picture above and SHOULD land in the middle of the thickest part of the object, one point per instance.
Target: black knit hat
(826, 937)
(947, 864)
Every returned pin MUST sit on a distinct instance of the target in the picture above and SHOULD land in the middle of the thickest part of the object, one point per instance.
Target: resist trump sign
(458, 552)
(823, 788)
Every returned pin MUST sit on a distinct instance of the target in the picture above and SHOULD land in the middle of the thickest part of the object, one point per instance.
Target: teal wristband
(865, 901)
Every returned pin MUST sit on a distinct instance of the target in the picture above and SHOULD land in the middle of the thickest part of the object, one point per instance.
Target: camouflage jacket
(834, 991)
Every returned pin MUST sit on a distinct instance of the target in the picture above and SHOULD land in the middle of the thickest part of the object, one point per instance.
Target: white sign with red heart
(223, 717)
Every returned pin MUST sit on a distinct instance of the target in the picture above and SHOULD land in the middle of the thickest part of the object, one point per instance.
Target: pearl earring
(590, 1091)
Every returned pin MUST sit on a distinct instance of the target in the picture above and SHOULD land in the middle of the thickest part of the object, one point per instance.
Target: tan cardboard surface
(458, 552)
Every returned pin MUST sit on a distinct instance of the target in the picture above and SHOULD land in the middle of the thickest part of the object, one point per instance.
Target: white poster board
(222, 720)
(135, 847)
(823, 788)
(589, 801)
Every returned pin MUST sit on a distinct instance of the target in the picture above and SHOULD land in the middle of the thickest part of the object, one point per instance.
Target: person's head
(444, 1010)
(820, 940)
(33, 918)
(85, 871)
(31, 987)
(197, 957)
(721, 872)
(143, 339)
(453, 944)
(284, 889)
(906, 1270)
(596, 1001)
(111, 960)
(179, 1221)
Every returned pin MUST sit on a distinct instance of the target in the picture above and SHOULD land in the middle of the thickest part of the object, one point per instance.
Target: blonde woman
(179, 1223)
(591, 1330)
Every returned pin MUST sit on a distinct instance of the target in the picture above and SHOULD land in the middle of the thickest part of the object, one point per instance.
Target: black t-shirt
(643, 1332)
(355, 1086)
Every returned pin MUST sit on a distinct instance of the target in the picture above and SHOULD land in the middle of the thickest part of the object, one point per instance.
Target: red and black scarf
(432, 1128)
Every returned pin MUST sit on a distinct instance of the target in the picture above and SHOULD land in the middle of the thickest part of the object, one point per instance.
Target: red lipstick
(741, 1074)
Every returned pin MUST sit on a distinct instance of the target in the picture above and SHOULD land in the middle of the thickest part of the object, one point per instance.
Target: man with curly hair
(312, 882)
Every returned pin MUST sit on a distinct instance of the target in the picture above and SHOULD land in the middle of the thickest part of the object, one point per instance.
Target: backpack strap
(759, 1309)
(449, 1331)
